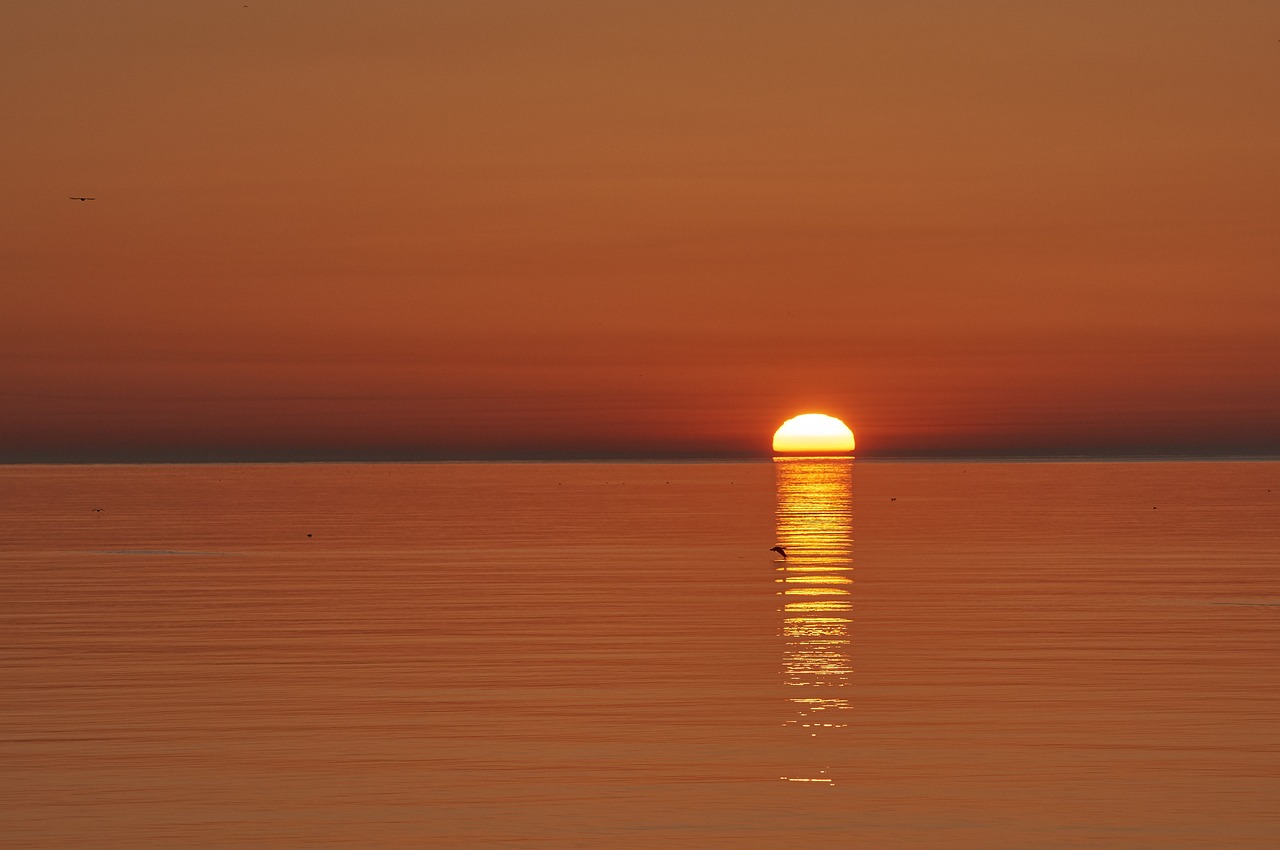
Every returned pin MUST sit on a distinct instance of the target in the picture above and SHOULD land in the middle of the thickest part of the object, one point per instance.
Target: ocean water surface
(601, 655)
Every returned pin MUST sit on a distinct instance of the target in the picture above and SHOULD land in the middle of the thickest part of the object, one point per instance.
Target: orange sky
(401, 228)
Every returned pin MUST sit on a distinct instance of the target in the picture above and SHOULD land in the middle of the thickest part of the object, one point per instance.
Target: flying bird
(780, 551)
(81, 199)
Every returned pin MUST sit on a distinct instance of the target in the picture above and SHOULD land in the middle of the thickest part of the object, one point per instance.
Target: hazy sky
(406, 228)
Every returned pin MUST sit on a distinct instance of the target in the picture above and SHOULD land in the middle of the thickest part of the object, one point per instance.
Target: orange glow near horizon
(813, 433)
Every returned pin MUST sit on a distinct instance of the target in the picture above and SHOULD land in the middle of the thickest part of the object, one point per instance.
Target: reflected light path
(814, 525)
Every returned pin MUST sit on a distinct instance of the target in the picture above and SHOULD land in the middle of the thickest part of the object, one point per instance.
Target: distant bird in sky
(780, 551)
(81, 199)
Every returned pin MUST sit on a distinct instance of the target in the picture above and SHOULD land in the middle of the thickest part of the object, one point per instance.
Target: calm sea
(952, 655)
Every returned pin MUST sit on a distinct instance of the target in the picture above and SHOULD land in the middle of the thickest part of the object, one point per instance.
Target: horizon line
(373, 458)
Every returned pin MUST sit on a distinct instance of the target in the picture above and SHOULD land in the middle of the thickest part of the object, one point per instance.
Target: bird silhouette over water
(780, 551)
(81, 199)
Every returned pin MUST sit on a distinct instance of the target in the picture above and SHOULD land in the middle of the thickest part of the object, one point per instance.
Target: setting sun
(813, 433)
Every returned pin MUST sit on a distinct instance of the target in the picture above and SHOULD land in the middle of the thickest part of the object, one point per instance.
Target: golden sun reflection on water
(815, 527)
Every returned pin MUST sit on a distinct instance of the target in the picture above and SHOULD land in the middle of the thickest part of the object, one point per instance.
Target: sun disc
(813, 433)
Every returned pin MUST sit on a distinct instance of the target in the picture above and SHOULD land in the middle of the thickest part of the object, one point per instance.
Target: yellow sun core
(813, 433)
